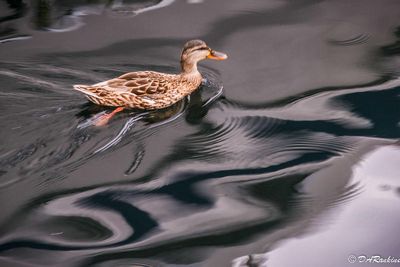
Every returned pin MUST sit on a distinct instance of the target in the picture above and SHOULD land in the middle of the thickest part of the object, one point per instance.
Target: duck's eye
(202, 49)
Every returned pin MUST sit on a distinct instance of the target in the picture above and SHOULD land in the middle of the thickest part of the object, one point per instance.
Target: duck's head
(196, 50)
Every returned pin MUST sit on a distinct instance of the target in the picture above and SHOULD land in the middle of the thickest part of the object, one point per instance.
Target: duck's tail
(86, 89)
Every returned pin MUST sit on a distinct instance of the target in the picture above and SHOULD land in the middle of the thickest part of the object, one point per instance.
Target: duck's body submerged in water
(150, 90)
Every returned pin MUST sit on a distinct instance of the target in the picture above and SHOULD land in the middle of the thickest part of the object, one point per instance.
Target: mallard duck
(149, 90)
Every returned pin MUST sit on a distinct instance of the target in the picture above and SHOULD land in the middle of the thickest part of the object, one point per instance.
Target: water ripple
(356, 40)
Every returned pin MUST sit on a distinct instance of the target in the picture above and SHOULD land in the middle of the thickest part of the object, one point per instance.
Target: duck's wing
(147, 82)
(137, 83)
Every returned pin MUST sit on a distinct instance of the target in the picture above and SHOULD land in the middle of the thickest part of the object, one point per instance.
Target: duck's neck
(189, 68)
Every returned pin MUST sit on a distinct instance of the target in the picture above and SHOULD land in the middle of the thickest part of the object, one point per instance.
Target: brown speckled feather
(142, 90)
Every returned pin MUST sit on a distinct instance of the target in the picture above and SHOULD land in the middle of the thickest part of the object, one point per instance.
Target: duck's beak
(217, 55)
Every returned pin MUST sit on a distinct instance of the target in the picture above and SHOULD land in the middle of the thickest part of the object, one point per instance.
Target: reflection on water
(223, 178)
(64, 16)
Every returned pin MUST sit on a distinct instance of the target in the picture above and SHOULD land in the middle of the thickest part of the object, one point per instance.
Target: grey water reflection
(263, 173)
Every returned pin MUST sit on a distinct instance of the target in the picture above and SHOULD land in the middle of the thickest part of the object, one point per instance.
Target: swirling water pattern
(222, 178)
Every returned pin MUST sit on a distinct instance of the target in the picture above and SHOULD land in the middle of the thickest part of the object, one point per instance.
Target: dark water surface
(295, 164)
